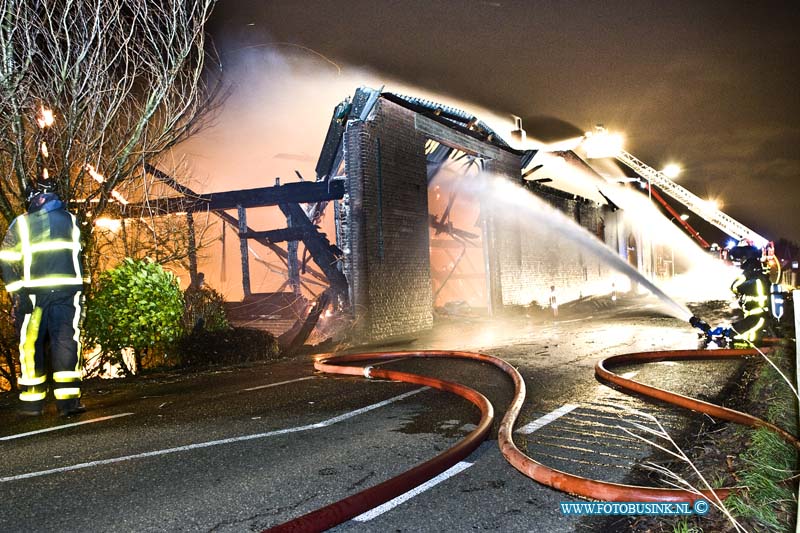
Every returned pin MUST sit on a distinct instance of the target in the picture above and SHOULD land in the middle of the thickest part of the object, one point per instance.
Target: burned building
(415, 227)
(410, 245)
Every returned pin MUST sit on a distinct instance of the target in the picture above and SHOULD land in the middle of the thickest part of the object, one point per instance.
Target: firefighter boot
(31, 408)
(70, 407)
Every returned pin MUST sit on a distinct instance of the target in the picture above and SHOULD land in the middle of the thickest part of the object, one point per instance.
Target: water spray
(509, 196)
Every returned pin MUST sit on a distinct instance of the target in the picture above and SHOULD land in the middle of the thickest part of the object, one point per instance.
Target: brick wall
(384, 233)
(388, 267)
(532, 259)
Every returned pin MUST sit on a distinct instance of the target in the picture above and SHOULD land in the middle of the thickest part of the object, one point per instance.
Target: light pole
(683, 217)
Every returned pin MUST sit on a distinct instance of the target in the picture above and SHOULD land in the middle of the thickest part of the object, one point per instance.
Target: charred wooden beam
(228, 219)
(298, 192)
(322, 251)
(243, 249)
(293, 263)
(302, 328)
(447, 227)
(277, 235)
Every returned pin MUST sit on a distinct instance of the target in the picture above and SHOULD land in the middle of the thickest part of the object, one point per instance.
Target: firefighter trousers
(55, 322)
(749, 327)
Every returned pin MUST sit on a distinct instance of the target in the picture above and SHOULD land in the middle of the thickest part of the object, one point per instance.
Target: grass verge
(767, 468)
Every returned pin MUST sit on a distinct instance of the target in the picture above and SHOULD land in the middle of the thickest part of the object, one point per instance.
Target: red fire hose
(684, 401)
(356, 504)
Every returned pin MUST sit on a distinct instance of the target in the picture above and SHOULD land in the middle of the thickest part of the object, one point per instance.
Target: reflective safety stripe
(30, 396)
(53, 245)
(67, 393)
(66, 376)
(752, 333)
(76, 333)
(45, 282)
(27, 342)
(31, 381)
(9, 256)
(26, 368)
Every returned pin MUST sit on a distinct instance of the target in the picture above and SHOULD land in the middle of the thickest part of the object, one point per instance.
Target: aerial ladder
(600, 143)
(681, 219)
(702, 208)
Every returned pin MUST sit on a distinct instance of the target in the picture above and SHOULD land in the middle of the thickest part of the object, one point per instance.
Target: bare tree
(90, 90)
(125, 81)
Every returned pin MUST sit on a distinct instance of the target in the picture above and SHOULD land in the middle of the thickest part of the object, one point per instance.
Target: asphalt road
(243, 448)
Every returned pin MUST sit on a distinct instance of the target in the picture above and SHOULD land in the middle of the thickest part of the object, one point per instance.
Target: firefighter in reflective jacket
(41, 267)
(752, 290)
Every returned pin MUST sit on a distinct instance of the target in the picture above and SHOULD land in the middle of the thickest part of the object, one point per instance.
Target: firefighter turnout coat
(752, 291)
(41, 265)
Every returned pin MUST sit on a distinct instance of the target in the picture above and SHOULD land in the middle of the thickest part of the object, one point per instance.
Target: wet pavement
(247, 447)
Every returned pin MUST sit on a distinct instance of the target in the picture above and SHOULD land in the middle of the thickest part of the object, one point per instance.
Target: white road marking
(208, 444)
(280, 383)
(391, 504)
(63, 426)
(546, 419)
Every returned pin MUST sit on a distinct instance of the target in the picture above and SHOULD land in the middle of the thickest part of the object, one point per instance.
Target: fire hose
(351, 506)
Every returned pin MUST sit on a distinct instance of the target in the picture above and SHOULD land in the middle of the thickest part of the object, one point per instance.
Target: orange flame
(118, 197)
(45, 118)
(99, 178)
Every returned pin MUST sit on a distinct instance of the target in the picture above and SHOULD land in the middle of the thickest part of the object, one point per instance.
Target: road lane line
(391, 504)
(280, 383)
(63, 426)
(546, 419)
(155, 453)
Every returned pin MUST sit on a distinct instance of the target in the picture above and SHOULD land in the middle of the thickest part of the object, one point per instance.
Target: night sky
(710, 85)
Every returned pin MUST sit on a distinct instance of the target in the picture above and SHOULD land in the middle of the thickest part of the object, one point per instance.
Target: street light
(600, 144)
(672, 170)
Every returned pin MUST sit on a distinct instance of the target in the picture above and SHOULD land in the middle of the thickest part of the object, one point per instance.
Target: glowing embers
(45, 118)
(99, 178)
(109, 224)
(456, 249)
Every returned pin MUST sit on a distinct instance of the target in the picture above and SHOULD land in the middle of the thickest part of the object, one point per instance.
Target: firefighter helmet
(34, 190)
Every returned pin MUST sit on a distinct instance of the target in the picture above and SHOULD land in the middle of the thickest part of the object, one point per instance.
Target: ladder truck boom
(688, 227)
(699, 206)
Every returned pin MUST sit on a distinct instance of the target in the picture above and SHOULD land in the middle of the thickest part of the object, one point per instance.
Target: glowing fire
(99, 178)
(109, 224)
(45, 118)
(118, 197)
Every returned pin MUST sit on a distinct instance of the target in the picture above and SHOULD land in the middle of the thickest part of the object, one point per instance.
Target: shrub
(137, 305)
(204, 310)
(237, 345)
